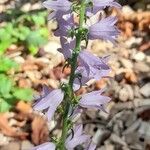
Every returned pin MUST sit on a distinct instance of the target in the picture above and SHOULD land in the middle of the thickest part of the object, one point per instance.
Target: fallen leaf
(67, 70)
(145, 46)
(145, 115)
(6, 129)
(23, 107)
(100, 84)
(81, 91)
(40, 133)
(131, 77)
(29, 66)
(24, 83)
(128, 23)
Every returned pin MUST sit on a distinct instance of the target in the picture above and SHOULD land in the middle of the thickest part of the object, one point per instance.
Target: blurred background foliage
(20, 28)
(10, 93)
(27, 30)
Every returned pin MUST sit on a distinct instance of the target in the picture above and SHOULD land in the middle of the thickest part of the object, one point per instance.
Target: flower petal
(101, 4)
(93, 100)
(104, 29)
(50, 101)
(67, 46)
(91, 67)
(78, 138)
(45, 146)
(54, 105)
(64, 5)
(91, 146)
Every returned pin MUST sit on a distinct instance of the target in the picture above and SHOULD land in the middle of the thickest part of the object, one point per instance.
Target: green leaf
(33, 49)
(21, 33)
(38, 20)
(5, 85)
(5, 40)
(34, 41)
(4, 34)
(23, 94)
(6, 64)
(4, 106)
(24, 32)
(44, 32)
(9, 27)
(3, 46)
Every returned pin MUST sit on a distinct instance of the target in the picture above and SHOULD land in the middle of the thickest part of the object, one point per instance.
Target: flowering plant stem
(69, 93)
(84, 67)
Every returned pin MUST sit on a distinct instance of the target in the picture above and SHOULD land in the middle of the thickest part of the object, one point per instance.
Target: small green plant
(27, 30)
(6, 37)
(10, 93)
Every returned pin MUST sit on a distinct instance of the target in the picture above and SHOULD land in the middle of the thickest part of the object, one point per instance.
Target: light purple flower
(65, 23)
(45, 91)
(49, 102)
(85, 77)
(45, 146)
(93, 66)
(94, 100)
(104, 29)
(76, 113)
(90, 145)
(67, 46)
(90, 67)
(101, 4)
(78, 138)
(60, 7)
(105, 3)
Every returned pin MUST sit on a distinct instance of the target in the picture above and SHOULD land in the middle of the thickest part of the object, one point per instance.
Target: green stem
(75, 54)
(78, 43)
(65, 122)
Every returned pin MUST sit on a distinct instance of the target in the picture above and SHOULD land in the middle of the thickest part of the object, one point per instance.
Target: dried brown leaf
(6, 129)
(40, 133)
(23, 107)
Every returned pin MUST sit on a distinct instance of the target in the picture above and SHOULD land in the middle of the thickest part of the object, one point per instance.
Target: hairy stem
(75, 54)
(78, 43)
